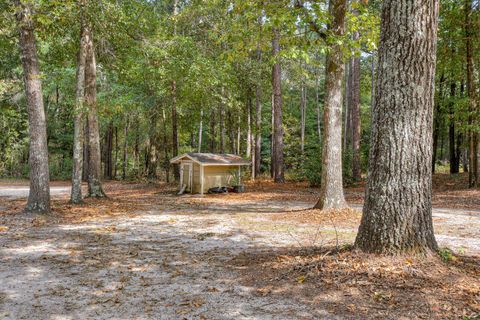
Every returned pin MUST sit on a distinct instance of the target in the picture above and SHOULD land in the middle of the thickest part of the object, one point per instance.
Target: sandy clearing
(170, 263)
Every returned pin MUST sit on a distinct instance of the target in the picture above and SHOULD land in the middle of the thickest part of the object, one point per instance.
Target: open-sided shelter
(202, 171)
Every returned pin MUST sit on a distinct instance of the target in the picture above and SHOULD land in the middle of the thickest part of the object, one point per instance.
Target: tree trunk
(303, 110)
(347, 101)
(125, 148)
(331, 188)
(115, 161)
(231, 132)
(39, 195)
(471, 91)
(222, 123)
(258, 130)
(239, 135)
(94, 159)
(107, 152)
(85, 150)
(249, 127)
(397, 214)
(212, 132)
(200, 132)
(166, 163)
(454, 155)
(176, 172)
(356, 113)
(278, 170)
(319, 116)
(78, 123)
(153, 152)
(272, 143)
(436, 123)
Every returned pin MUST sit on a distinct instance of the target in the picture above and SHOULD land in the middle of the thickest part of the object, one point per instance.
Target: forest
(240, 159)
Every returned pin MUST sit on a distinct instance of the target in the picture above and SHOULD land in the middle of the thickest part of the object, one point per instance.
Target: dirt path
(170, 259)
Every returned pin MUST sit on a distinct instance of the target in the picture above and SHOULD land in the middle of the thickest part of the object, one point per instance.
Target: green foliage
(446, 254)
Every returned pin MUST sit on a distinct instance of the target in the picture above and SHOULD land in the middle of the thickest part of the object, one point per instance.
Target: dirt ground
(146, 253)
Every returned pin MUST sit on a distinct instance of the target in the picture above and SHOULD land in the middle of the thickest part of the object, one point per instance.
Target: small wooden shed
(202, 171)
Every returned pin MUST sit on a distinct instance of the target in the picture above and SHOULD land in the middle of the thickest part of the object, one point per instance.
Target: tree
(278, 170)
(397, 214)
(39, 195)
(331, 188)
(472, 92)
(94, 161)
(78, 122)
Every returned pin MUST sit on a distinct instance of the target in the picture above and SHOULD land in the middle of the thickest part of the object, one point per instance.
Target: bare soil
(145, 253)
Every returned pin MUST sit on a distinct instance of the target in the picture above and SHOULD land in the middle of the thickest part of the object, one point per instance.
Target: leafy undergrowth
(363, 286)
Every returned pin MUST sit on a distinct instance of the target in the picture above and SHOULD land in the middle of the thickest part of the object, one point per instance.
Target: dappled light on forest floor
(146, 251)
(357, 285)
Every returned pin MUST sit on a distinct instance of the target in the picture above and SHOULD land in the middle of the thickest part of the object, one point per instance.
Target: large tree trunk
(397, 214)
(471, 91)
(78, 123)
(278, 170)
(331, 188)
(94, 159)
(39, 195)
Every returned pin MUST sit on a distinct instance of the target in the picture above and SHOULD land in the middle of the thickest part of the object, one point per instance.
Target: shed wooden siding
(197, 183)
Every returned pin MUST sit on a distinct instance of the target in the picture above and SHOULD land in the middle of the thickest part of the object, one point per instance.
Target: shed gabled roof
(212, 159)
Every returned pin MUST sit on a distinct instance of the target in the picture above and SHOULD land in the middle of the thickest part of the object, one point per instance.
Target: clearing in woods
(146, 253)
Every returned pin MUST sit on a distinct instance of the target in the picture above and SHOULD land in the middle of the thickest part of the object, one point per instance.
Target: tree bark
(152, 151)
(107, 152)
(115, 160)
(356, 113)
(436, 123)
(94, 160)
(258, 130)
(200, 132)
(303, 110)
(212, 132)
(331, 188)
(125, 148)
(166, 163)
(471, 92)
(397, 214)
(78, 123)
(39, 195)
(452, 138)
(278, 168)
(319, 114)
(222, 123)
(249, 127)
(176, 172)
